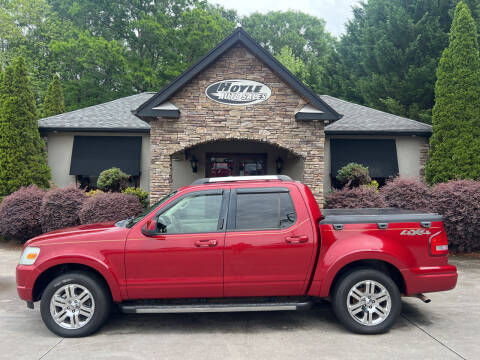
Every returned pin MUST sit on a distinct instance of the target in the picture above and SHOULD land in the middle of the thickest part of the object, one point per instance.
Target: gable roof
(362, 120)
(146, 110)
(111, 116)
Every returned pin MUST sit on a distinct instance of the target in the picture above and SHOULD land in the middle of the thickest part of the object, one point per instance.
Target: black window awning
(93, 154)
(379, 155)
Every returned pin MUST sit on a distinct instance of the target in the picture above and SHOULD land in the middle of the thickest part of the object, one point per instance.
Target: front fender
(355, 248)
(89, 260)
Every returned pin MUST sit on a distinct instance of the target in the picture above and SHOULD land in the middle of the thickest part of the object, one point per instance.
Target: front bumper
(430, 279)
(26, 276)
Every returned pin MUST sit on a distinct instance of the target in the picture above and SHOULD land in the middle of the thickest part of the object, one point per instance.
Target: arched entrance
(233, 157)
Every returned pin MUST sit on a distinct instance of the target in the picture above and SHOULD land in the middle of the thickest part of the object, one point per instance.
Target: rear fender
(349, 250)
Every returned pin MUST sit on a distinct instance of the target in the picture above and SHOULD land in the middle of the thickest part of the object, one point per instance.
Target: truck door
(269, 244)
(185, 258)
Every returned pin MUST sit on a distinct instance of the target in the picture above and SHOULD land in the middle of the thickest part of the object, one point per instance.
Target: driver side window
(193, 214)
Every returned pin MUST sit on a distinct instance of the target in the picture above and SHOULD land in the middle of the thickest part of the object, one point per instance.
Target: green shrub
(93, 192)
(113, 179)
(142, 195)
(353, 175)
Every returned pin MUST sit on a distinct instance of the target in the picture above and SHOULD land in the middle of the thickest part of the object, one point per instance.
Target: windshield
(147, 211)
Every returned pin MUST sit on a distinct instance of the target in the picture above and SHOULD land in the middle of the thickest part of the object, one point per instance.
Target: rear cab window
(261, 209)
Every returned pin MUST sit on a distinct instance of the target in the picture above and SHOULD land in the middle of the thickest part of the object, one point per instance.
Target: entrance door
(218, 165)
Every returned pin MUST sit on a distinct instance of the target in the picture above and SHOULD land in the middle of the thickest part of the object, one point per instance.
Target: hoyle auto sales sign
(238, 92)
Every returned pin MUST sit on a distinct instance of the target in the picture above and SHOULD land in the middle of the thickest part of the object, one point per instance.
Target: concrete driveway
(447, 328)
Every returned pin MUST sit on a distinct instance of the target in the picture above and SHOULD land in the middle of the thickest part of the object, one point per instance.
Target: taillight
(439, 244)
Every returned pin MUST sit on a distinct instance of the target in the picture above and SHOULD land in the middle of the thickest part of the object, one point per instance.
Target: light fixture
(194, 163)
(279, 165)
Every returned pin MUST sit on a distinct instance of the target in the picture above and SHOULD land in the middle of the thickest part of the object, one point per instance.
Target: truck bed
(375, 215)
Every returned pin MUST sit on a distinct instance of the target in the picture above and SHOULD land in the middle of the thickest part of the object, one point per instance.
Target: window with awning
(93, 154)
(379, 155)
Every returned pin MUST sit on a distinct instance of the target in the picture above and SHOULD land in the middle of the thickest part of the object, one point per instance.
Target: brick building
(237, 111)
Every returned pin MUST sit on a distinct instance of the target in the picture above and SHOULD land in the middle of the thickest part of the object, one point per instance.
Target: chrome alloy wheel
(72, 306)
(369, 302)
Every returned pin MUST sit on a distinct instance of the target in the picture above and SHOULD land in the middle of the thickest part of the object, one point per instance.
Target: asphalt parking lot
(447, 328)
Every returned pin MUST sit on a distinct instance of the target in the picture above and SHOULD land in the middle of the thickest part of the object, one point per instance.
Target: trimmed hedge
(407, 193)
(109, 207)
(20, 214)
(459, 203)
(359, 197)
(61, 207)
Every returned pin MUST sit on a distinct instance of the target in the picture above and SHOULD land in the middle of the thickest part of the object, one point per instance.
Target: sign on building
(238, 92)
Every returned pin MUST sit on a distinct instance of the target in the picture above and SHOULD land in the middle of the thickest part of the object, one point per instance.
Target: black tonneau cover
(375, 215)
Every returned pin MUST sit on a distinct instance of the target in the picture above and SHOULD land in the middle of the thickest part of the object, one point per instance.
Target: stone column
(160, 161)
(424, 149)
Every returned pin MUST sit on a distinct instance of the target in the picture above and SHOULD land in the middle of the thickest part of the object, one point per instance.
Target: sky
(334, 12)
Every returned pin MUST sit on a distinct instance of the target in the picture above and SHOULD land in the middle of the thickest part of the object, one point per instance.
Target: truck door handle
(296, 239)
(206, 243)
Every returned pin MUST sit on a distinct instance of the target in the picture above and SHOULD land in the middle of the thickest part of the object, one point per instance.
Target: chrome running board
(140, 308)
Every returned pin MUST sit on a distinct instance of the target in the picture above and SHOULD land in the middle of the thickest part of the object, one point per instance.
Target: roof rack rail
(241, 178)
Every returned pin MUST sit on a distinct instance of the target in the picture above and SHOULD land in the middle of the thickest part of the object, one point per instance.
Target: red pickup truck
(237, 244)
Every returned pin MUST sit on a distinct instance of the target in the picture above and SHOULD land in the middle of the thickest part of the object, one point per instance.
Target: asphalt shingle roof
(116, 115)
(112, 115)
(358, 119)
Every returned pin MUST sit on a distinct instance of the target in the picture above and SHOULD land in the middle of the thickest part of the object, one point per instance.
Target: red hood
(81, 232)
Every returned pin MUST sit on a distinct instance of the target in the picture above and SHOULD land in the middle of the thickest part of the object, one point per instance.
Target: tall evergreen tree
(455, 143)
(388, 57)
(22, 150)
(53, 103)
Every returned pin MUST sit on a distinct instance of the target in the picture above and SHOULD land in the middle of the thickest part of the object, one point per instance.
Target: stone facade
(425, 148)
(203, 120)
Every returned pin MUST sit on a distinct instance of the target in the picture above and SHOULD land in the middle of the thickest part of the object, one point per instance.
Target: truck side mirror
(150, 228)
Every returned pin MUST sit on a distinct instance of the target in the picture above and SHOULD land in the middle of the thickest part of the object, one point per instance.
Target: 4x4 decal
(413, 232)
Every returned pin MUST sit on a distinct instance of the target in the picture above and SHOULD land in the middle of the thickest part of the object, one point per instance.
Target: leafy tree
(22, 150)
(53, 103)
(26, 29)
(455, 143)
(93, 69)
(304, 34)
(292, 63)
(160, 39)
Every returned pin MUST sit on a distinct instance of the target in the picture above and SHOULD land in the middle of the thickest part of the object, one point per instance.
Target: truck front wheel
(75, 304)
(367, 301)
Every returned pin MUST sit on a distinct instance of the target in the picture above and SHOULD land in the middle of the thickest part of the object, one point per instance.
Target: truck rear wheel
(75, 304)
(367, 301)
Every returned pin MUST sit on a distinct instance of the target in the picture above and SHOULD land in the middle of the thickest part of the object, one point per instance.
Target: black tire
(340, 298)
(99, 293)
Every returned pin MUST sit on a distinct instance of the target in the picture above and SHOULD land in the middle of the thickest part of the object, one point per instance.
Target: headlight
(29, 255)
